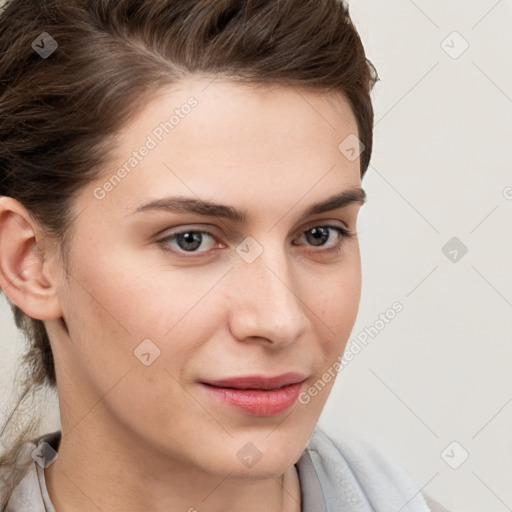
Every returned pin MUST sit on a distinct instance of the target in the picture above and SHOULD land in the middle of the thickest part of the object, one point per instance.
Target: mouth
(256, 395)
(257, 382)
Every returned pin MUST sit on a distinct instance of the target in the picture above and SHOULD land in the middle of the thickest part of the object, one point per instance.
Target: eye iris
(321, 234)
(192, 237)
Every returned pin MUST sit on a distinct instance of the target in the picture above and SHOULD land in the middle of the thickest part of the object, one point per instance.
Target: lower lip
(258, 402)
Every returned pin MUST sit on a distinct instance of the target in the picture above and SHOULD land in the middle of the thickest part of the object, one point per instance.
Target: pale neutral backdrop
(433, 386)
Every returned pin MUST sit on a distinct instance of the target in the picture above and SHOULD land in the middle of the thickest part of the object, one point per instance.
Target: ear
(28, 262)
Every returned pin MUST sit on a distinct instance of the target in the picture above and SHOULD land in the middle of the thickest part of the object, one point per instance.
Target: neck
(93, 473)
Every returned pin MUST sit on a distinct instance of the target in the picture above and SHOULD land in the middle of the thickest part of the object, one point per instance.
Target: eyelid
(210, 229)
(322, 222)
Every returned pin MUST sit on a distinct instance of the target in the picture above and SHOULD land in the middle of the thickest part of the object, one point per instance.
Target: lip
(257, 395)
(258, 381)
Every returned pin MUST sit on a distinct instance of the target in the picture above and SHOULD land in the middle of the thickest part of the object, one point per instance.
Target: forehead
(236, 141)
(200, 111)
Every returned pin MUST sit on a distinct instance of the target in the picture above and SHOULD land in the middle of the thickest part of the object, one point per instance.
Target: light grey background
(438, 372)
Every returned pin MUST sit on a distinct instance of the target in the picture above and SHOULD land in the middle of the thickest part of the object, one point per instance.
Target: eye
(318, 235)
(190, 240)
(187, 241)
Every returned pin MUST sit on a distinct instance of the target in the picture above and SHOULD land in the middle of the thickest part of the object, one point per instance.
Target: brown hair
(59, 113)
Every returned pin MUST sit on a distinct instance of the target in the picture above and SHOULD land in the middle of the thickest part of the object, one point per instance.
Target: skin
(137, 437)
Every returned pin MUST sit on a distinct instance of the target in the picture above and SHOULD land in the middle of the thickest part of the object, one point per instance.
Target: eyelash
(343, 233)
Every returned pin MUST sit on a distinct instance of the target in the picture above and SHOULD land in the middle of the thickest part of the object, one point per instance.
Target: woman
(180, 187)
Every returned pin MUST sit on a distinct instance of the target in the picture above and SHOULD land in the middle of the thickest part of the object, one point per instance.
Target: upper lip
(258, 381)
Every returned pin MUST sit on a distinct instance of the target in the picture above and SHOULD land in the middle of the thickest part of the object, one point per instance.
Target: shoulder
(434, 505)
(349, 466)
(26, 495)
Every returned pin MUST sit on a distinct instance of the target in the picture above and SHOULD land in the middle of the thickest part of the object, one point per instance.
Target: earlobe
(27, 276)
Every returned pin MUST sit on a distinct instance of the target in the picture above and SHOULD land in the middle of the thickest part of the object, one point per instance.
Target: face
(159, 299)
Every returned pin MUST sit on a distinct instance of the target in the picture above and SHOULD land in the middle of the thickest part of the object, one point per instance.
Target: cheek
(107, 325)
(338, 302)
(338, 305)
(139, 299)
(123, 314)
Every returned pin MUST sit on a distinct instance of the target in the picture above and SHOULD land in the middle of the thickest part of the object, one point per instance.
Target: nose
(266, 302)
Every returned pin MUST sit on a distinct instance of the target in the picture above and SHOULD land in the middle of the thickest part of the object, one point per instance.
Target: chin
(258, 459)
(261, 471)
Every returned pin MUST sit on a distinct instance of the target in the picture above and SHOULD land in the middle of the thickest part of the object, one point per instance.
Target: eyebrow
(191, 205)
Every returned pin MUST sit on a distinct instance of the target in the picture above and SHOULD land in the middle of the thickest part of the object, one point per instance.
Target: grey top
(335, 475)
